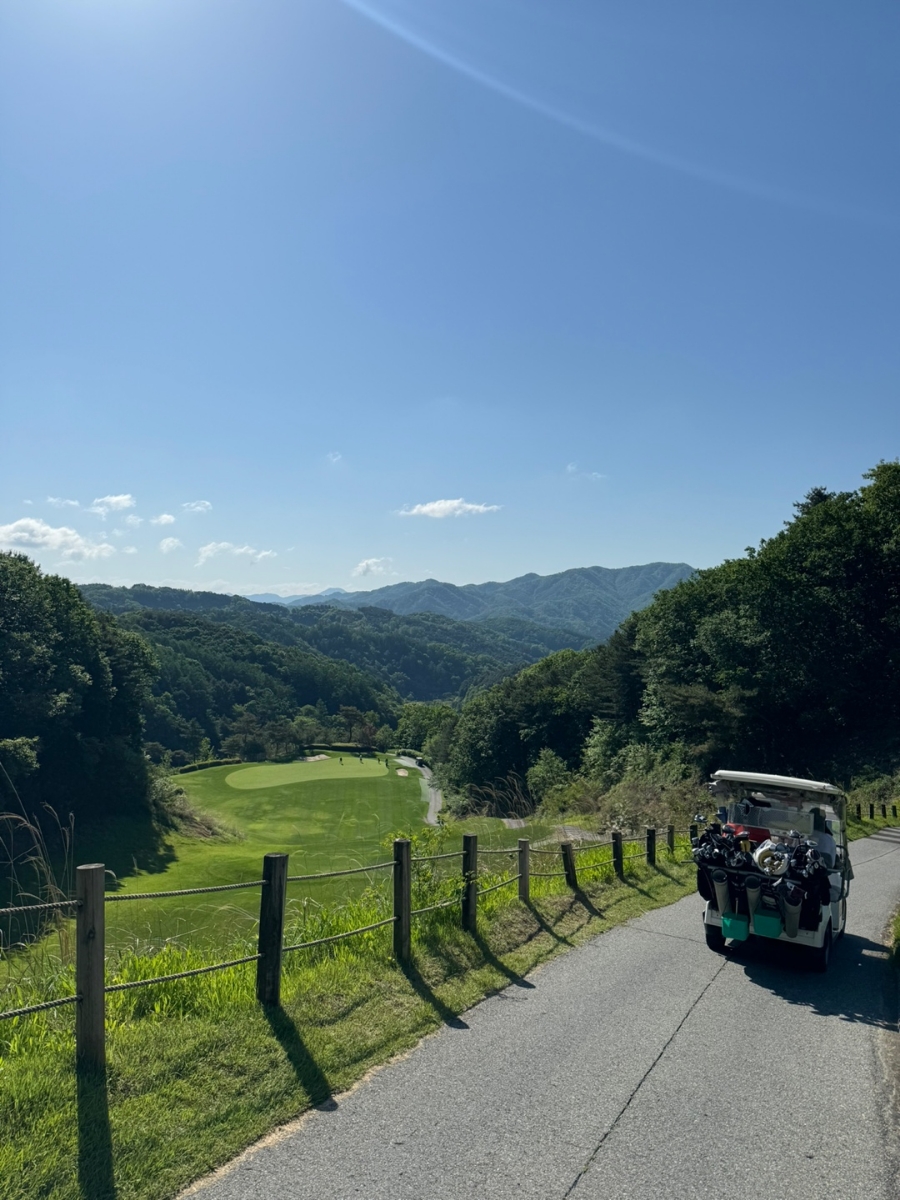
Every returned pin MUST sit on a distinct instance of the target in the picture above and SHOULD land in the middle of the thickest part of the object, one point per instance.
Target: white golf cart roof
(777, 781)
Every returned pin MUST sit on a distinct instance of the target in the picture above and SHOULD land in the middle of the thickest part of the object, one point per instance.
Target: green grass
(197, 1071)
(325, 815)
(865, 827)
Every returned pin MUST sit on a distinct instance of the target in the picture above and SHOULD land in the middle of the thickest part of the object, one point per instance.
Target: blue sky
(309, 293)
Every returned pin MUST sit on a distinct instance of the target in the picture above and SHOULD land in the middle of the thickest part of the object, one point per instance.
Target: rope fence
(36, 1008)
(493, 888)
(25, 908)
(90, 901)
(417, 912)
(136, 983)
(219, 887)
(337, 937)
(335, 874)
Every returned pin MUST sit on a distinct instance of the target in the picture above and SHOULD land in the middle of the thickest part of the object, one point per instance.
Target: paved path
(433, 795)
(638, 1067)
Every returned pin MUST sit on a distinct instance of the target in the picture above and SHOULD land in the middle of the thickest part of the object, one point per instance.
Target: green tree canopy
(72, 687)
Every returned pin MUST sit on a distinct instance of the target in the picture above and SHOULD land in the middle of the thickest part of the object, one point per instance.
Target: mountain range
(587, 603)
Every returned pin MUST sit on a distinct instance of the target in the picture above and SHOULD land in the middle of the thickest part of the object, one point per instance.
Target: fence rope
(435, 857)
(33, 1008)
(510, 850)
(336, 937)
(547, 874)
(590, 846)
(20, 908)
(136, 983)
(333, 874)
(431, 907)
(553, 852)
(494, 886)
(222, 887)
(601, 866)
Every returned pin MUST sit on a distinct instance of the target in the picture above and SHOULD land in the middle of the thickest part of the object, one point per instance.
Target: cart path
(640, 1066)
(434, 796)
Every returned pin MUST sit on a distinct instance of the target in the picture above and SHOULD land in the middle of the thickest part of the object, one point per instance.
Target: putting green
(269, 775)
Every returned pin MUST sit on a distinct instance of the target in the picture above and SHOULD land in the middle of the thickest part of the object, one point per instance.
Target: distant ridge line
(588, 601)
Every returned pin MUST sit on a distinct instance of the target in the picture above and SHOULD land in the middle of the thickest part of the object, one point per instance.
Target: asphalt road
(639, 1066)
(433, 795)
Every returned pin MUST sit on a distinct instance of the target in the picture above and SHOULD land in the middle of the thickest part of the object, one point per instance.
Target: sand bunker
(401, 771)
(315, 757)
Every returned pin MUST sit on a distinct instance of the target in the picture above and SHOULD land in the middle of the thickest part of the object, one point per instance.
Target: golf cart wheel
(715, 939)
(821, 955)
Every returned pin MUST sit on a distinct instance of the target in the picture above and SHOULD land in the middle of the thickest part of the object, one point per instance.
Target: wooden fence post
(618, 860)
(524, 870)
(568, 857)
(894, 811)
(271, 928)
(884, 811)
(871, 812)
(692, 832)
(470, 882)
(90, 972)
(859, 812)
(651, 847)
(402, 900)
(670, 838)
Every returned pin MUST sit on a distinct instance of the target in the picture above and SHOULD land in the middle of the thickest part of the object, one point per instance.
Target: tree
(73, 688)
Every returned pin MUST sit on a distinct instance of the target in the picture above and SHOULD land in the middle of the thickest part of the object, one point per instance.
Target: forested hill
(786, 660)
(587, 602)
(217, 681)
(422, 656)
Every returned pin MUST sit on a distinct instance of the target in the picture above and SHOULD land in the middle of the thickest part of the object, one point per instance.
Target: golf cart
(774, 864)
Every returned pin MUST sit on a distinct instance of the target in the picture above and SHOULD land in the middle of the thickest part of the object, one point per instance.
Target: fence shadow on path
(574, 900)
(426, 993)
(860, 985)
(96, 1179)
(309, 1074)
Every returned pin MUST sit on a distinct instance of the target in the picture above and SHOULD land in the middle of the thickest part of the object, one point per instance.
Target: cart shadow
(860, 985)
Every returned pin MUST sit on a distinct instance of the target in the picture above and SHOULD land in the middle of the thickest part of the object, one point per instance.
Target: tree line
(785, 660)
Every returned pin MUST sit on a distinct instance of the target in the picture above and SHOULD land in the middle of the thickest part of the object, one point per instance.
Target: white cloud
(572, 469)
(133, 522)
(373, 566)
(163, 519)
(32, 534)
(28, 502)
(129, 550)
(211, 549)
(448, 508)
(334, 456)
(108, 504)
(167, 545)
(58, 502)
(197, 506)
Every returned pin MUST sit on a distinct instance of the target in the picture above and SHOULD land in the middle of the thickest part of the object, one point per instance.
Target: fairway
(325, 815)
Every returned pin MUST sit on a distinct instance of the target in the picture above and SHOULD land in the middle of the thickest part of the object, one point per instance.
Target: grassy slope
(201, 1071)
(327, 816)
